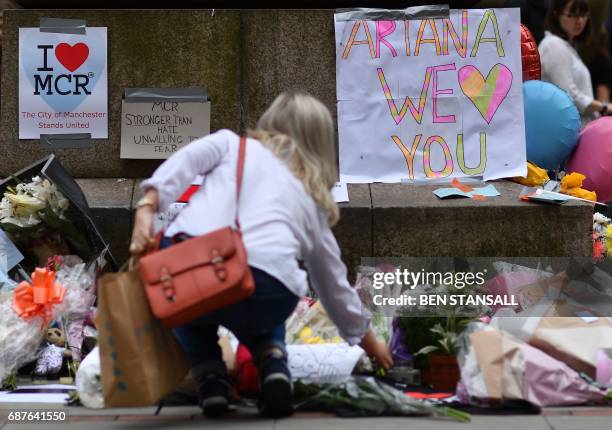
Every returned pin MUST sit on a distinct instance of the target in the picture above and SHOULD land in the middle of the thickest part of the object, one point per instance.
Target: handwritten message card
(430, 98)
(156, 130)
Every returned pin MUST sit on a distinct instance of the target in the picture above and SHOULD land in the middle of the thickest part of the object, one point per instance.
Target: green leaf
(73, 399)
(447, 346)
(438, 329)
(368, 395)
(10, 382)
(15, 229)
(427, 350)
(455, 414)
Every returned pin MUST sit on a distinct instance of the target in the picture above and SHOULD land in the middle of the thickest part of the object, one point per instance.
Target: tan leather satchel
(200, 274)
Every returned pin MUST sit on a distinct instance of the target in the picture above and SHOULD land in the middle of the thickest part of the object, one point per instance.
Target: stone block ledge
(394, 220)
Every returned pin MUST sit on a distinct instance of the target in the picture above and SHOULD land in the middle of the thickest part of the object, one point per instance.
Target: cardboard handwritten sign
(63, 83)
(430, 98)
(155, 130)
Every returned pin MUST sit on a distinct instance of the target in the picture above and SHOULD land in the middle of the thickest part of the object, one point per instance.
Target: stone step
(394, 220)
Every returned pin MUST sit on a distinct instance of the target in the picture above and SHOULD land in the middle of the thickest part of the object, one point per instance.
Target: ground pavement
(183, 417)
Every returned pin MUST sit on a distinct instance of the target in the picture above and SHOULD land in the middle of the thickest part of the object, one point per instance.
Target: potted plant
(441, 370)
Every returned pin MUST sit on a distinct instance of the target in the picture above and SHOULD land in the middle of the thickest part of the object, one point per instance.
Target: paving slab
(187, 417)
(158, 424)
(414, 423)
(111, 412)
(571, 422)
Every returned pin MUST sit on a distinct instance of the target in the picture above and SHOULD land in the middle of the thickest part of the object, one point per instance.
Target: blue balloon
(552, 124)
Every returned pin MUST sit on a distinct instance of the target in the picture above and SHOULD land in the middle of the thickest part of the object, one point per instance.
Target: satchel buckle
(167, 285)
(217, 261)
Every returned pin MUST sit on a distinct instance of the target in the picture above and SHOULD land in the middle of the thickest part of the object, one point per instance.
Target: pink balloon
(593, 158)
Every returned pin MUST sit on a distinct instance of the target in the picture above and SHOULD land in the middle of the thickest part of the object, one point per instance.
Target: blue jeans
(258, 322)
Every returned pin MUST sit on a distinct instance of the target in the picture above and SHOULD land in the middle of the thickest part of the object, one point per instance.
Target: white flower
(600, 219)
(22, 205)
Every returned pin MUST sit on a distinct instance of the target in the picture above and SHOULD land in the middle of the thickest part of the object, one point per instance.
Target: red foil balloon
(530, 56)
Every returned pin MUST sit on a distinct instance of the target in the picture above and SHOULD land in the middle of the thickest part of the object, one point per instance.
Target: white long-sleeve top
(280, 222)
(562, 66)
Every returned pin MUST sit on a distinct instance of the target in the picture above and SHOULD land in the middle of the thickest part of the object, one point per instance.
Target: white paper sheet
(323, 363)
(340, 192)
(38, 397)
(63, 86)
(417, 99)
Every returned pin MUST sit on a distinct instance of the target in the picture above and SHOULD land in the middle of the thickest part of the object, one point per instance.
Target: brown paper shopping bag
(140, 359)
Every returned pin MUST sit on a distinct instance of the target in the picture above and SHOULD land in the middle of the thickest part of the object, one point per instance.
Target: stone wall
(244, 58)
(146, 48)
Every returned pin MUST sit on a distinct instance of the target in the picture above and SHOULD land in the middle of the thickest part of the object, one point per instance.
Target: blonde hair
(299, 130)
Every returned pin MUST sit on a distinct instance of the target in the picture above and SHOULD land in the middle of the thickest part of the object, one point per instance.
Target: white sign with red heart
(63, 85)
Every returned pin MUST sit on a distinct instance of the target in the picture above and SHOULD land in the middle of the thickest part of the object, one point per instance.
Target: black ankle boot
(213, 395)
(276, 397)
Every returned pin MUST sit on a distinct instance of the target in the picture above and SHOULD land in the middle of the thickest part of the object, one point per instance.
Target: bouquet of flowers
(33, 215)
(602, 237)
(19, 339)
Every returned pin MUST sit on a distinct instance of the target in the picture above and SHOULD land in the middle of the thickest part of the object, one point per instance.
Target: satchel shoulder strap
(239, 174)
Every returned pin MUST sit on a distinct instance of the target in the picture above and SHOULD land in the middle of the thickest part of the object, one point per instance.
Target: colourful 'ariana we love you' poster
(430, 98)
(63, 85)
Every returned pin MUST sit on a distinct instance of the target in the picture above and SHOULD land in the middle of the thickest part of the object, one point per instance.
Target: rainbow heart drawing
(487, 94)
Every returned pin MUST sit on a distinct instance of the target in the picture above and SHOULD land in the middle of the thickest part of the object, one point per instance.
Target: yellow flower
(573, 180)
(535, 176)
(571, 185)
(582, 194)
(305, 334)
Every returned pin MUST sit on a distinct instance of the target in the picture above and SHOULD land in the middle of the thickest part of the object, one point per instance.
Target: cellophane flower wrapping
(79, 280)
(497, 367)
(382, 318)
(310, 324)
(36, 217)
(6, 283)
(19, 339)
